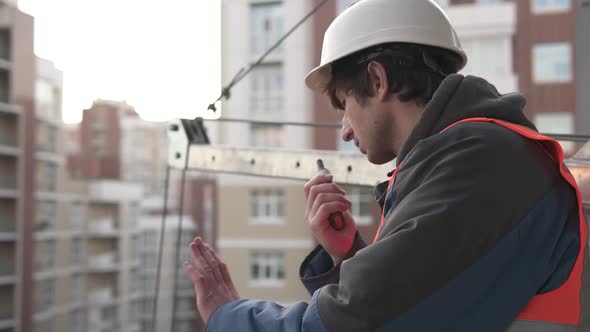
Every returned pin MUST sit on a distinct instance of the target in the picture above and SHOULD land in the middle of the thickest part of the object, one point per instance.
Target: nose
(347, 132)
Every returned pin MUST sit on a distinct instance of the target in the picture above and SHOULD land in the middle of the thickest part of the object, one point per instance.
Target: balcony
(7, 323)
(7, 221)
(110, 191)
(102, 227)
(7, 274)
(101, 296)
(9, 150)
(103, 263)
(134, 327)
(10, 108)
(8, 236)
(5, 64)
(8, 143)
(104, 318)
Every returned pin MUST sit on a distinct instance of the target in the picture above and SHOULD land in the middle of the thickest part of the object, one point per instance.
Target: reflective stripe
(384, 206)
(521, 325)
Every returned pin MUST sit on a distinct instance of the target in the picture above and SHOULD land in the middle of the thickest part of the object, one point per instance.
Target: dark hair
(414, 71)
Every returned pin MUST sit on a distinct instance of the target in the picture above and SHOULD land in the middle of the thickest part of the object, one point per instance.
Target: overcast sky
(163, 57)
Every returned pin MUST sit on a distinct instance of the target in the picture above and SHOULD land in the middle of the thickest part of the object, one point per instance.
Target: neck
(407, 115)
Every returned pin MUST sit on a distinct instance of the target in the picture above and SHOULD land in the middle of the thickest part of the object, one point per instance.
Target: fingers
(213, 263)
(224, 273)
(209, 266)
(318, 189)
(320, 219)
(326, 198)
(199, 261)
(319, 179)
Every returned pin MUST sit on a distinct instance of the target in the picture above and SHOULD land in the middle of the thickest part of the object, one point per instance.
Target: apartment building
(100, 141)
(17, 172)
(545, 62)
(112, 216)
(143, 153)
(116, 146)
(52, 232)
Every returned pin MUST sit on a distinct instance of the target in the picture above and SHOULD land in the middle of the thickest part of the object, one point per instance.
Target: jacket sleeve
(318, 270)
(265, 316)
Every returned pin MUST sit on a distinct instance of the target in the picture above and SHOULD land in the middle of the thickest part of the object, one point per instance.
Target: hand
(211, 279)
(324, 198)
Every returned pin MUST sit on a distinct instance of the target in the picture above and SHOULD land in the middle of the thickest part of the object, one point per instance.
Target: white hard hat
(372, 22)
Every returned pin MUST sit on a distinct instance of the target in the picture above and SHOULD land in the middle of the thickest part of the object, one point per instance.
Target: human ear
(379, 83)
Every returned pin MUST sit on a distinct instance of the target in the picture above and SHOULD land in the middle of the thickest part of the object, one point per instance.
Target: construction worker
(482, 227)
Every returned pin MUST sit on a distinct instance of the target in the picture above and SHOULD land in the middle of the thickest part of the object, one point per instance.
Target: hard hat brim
(318, 78)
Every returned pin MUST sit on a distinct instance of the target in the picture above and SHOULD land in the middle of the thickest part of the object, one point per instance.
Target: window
(46, 215)
(134, 310)
(267, 89)
(47, 325)
(550, 6)
(76, 251)
(267, 206)
(266, 26)
(267, 136)
(46, 98)
(133, 246)
(46, 137)
(4, 86)
(146, 326)
(109, 314)
(149, 260)
(77, 214)
(147, 282)
(267, 269)
(150, 239)
(185, 305)
(46, 176)
(186, 326)
(487, 2)
(76, 287)
(488, 57)
(45, 294)
(147, 305)
(45, 256)
(552, 63)
(5, 43)
(76, 320)
(361, 208)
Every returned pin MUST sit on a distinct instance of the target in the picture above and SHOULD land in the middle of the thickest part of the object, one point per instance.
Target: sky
(162, 57)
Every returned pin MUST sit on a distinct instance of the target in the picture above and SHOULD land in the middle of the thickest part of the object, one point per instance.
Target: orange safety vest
(559, 310)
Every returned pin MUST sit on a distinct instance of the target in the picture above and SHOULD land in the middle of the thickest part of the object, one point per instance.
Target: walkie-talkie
(336, 219)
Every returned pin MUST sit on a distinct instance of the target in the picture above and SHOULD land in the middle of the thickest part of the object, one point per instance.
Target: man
(482, 227)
